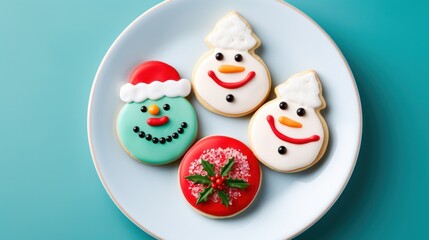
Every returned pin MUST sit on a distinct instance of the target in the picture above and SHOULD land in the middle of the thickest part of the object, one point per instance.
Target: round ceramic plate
(174, 32)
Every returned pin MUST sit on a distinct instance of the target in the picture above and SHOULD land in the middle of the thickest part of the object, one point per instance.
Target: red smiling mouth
(231, 85)
(157, 121)
(285, 138)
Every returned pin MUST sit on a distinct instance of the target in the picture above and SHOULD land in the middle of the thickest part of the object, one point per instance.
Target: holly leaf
(204, 195)
(223, 197)
(199, 179)
(208, 167)
(236, 183)
(227, 167)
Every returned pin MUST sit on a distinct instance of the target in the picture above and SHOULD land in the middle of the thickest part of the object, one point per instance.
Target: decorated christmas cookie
(231, 79)
(219, 176)
(289, 134)
(157, 124)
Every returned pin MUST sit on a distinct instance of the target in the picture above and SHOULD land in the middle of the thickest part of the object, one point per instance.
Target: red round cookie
(219, 176)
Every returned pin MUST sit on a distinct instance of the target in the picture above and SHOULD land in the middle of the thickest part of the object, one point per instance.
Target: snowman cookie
(157, 124)
(219, 176)
(289, 134)
(230, 79)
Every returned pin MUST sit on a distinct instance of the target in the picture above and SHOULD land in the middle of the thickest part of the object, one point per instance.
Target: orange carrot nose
(230, 69)
(289, 122)
(153, 109)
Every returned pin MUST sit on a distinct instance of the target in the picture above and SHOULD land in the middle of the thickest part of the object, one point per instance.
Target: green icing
(147, 151)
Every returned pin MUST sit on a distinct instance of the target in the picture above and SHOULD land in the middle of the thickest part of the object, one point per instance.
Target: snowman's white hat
(233, 32)
(154, 80)
(303, 88)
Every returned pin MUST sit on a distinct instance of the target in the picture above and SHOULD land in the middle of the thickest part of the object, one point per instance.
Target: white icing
(302, 89)
(155, 90)
(265, 144)
(246, 98)
(232, 32)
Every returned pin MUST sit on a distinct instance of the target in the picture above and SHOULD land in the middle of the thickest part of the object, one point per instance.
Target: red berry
(219, 187)
(213, 185)
(223, 178)
(217, 175)
(213, 179)
(219, 181)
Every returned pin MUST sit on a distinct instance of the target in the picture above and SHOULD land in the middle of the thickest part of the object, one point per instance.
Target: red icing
(157, 121)
(231, 85)
(150, 71)
(246, 168)
(285, 138)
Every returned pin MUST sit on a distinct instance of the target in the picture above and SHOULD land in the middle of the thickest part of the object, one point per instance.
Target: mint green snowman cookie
(157, 124)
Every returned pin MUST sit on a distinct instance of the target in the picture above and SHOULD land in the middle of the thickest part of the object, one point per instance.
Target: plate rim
(159, 5)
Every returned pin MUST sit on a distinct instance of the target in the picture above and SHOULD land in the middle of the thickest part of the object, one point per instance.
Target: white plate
(174, 32)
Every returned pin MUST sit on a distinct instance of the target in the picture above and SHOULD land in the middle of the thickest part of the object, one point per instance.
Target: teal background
(50, 51)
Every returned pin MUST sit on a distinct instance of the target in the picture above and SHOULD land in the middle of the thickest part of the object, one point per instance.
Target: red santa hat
(154, 80)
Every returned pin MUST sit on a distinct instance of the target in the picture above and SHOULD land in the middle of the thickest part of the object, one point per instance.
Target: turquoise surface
(50, 51)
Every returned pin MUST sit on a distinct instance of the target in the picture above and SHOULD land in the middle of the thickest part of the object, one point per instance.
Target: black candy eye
(143, 109)
(283, 105)
(300, 112)
(238, 57)
(219, 56)
(166, 107)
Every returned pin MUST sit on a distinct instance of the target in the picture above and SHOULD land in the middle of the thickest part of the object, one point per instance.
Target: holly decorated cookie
(289, 134)
(157, 124)
(230, 79)
(219, 176)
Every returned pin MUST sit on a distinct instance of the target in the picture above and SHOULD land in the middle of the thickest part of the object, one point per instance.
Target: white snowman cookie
(289, 134)
(230, 79)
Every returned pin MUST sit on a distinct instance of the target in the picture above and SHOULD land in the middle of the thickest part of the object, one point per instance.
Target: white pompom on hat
(154, 80)
(232, 32)
(302, 89)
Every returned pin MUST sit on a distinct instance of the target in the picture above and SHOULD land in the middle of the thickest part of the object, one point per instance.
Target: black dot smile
(161, 140)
